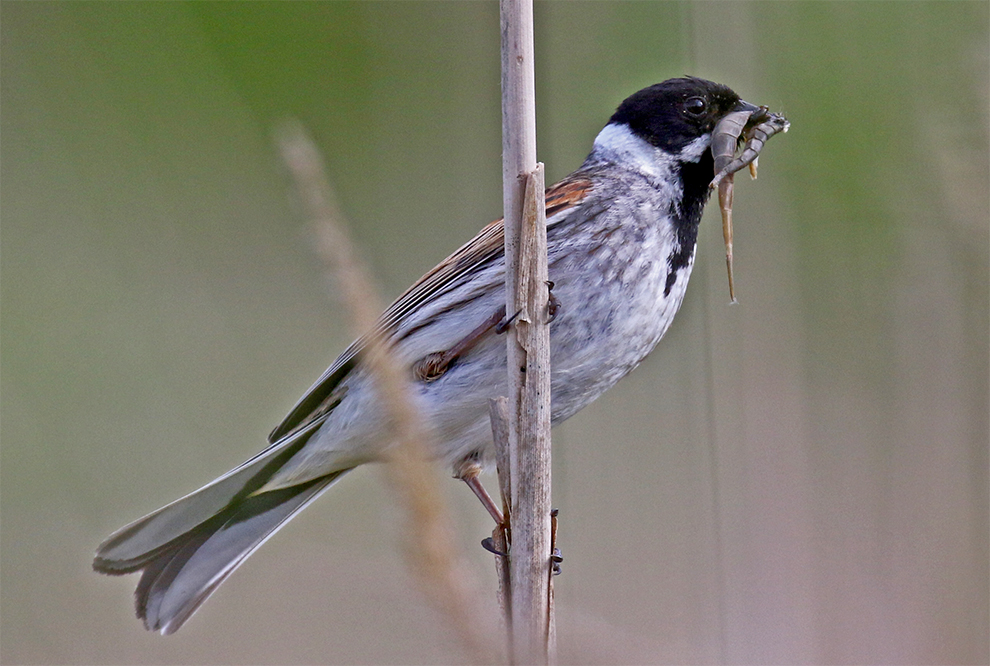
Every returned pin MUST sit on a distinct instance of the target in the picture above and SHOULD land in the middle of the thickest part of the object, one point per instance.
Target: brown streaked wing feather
(566, 194)
(488, 244)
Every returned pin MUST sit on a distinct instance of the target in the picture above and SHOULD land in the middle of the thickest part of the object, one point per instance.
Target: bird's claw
(553, 303)
(488, 544)
(503, 325)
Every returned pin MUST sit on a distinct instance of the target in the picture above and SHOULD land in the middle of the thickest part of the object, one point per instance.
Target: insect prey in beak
(753, 129)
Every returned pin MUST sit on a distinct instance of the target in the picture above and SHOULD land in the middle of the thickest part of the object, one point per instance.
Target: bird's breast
(618, 292)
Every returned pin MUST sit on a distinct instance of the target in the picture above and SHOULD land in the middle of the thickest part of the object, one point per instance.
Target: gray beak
(755, 112)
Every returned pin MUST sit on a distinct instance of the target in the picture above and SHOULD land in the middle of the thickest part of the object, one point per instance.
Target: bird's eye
(695, 106)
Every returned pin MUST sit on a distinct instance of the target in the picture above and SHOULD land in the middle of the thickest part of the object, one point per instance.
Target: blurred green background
(801, 478)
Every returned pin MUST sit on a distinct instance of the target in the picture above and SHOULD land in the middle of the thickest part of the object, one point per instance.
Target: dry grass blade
(430, 550)
(498, 410)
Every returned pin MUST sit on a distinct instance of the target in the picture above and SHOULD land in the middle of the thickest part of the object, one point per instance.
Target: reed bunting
(621, 234)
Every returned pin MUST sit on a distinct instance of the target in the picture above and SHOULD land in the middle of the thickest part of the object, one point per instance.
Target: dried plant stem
(498, 409)
(527, 292)
(431, 554)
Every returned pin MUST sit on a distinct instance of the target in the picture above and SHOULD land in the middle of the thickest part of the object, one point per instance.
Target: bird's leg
(468, 470)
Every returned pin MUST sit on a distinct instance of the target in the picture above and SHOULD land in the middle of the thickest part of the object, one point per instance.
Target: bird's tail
(188, 548)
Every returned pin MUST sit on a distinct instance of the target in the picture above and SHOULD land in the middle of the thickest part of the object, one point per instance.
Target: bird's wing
(487, 246)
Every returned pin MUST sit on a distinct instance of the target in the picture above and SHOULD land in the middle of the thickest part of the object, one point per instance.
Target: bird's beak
(743, 105)
(756, 113)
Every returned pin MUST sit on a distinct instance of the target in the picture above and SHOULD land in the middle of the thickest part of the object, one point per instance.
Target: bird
(621, 237)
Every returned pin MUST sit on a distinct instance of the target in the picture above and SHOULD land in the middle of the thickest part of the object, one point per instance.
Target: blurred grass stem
(430, 551)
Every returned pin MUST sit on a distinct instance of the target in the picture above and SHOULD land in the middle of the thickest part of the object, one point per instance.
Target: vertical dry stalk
(530, 483)
(529, 349)
(430, 551)
(498, 410)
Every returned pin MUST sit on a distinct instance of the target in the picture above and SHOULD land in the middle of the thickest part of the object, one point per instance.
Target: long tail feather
(189, 547)
(131, 547)
(177, 580)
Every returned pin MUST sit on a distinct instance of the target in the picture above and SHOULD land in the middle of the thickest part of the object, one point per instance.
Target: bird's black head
(672, 114)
